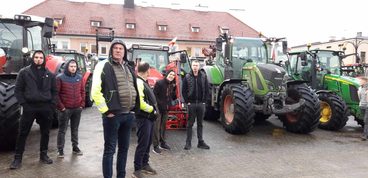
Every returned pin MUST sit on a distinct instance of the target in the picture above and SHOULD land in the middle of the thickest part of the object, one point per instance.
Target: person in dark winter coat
(195, 92)
(71, 102)
(163, 91)
(114, 91)
(35, 90)
(147, 114)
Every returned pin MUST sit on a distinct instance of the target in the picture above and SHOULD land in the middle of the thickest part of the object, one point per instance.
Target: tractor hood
(154, 76)
(348, 80)
(273, 73)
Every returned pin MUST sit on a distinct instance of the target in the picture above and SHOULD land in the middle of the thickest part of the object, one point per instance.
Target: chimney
(129, 4)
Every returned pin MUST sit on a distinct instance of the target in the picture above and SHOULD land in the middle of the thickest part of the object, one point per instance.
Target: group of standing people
(120, 95)
(40, 92)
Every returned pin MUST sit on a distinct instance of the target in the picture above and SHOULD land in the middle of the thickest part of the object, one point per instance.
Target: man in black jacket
(195, 92)
(163, 92)
(35, 90)
(147, 114)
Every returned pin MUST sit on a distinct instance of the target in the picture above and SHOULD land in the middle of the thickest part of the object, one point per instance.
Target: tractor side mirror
(183, 58)
(284, 47)
(219, 44)
(48, 28)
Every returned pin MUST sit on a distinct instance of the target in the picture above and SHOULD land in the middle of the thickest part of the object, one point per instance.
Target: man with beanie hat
(163, 92)
(114, 90)
(35, 90)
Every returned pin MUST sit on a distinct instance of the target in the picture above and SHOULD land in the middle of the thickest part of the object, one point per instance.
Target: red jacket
(71, 90)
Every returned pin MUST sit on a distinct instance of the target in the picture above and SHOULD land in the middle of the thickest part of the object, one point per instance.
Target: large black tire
(305, 119)
(334, 112)
(236, 108)
(211, 114)
(9, 117)
(88, 88)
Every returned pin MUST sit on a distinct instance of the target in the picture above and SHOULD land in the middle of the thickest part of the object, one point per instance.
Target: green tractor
(337, 92)
(246, 87)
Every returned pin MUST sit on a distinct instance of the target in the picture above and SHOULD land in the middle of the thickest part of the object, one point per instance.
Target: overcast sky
(302, 21)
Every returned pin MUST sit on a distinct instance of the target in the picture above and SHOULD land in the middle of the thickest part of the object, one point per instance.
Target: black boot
(203, 145)
(17, 163)
(44, 158)
(188, 145)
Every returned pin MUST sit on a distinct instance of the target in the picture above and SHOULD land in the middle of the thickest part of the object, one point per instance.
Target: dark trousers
(159, 130)
(195, 110)
(365, 119)
(42, 115)
(116, 128)
(74, 116)
(144, 133)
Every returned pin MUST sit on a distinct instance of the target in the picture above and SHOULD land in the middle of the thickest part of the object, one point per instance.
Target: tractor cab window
(11, 41)
(249, 49)
(34, 38)
(329, 62)
(154, 58)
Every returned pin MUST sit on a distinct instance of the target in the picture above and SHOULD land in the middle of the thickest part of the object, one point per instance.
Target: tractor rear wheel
(334, 112)
(88, 88)
(9, 117)
(306, 118)
(236, 109)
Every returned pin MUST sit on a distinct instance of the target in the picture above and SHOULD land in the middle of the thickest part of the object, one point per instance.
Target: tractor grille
(353, 93)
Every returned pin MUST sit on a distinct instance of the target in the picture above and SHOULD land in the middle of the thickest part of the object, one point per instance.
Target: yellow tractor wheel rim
(326, 112)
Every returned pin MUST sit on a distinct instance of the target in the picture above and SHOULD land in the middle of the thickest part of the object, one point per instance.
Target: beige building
(193, 29)
(349, 45)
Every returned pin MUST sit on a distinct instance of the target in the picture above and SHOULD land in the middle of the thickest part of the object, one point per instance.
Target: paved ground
(267, 151)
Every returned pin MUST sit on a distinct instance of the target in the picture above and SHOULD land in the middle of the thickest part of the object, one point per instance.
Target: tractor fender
(86, 76)
(325, 91)
(226, 82)
(295, 82)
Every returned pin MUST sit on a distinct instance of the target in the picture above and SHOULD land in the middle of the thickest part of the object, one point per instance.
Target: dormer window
(162, 28)
(130, 26)
(95, 23)
(195, 29)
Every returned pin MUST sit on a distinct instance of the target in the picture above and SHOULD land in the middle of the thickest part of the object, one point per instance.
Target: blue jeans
(116, 128)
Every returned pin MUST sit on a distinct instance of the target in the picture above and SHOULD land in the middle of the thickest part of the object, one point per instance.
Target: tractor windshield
(329, 61)
(157, 59)
(249, 49)
(12, 41)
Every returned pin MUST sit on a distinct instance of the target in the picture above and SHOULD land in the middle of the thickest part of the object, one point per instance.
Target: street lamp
(356, 43)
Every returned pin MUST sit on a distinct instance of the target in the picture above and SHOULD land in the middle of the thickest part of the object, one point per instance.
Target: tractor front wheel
(306, 118)
(9, 117)
(236, 109)
(334, 112)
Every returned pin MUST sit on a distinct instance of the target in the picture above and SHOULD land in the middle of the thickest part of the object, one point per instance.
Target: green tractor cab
(322, 69)
(246, 87)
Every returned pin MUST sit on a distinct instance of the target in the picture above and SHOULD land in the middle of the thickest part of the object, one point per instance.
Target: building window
(65, 45)
(58, 20)
(197, 52)
(362, 57)
(130, 26)
(189, 51)
(93, 49)
(83, 48)
(195, 29)
(103, 50)
(162, 28)
(95, 23)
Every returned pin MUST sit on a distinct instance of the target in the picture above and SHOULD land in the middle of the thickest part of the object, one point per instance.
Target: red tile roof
(78, 16)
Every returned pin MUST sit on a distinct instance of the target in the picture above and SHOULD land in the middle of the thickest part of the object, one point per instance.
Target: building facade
(192, 29)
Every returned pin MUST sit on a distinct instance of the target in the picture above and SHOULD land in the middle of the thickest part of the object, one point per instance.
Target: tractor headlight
(25, 50)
